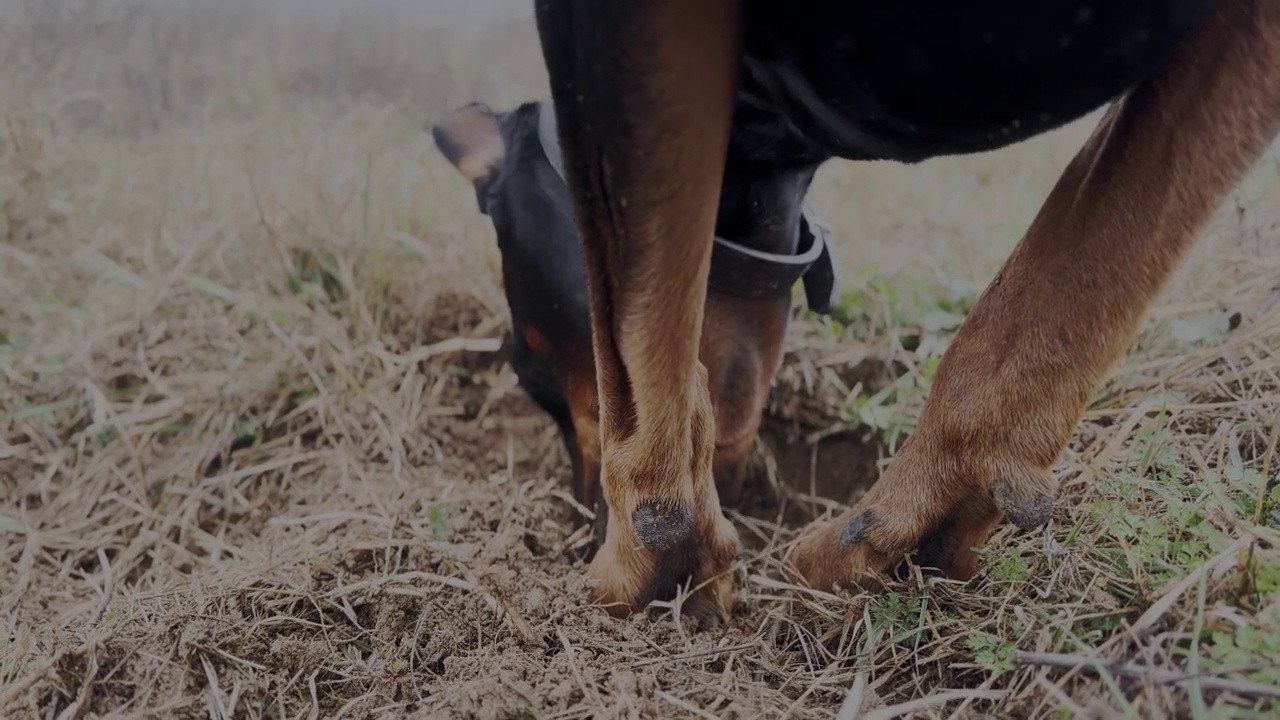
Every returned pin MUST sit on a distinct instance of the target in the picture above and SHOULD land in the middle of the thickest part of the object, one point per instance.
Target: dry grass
(261, 454)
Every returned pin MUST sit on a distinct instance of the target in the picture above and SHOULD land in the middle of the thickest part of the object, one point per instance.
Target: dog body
(682, 138)
(660, 102)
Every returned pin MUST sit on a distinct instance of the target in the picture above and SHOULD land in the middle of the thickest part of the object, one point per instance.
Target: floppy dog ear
(470, 139)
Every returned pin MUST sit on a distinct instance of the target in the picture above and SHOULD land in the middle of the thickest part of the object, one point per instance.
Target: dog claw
(661, 528)
(710, 617)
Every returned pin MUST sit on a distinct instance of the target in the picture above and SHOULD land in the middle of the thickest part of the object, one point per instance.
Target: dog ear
(469, 138)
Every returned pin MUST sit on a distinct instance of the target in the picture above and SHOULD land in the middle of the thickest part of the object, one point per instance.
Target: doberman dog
(513, 161)
(657, 99)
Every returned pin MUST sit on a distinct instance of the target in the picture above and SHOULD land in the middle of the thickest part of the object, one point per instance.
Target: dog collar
(736, 269)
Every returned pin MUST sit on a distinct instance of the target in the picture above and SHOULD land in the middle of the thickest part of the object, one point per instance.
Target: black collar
(738, 270)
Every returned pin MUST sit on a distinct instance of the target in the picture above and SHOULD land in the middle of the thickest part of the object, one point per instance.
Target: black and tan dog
(661, 102)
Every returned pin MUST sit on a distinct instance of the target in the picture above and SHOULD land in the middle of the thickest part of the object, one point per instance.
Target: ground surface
(261, 454)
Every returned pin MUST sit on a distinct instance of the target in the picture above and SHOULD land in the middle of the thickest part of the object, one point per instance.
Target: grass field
(261, 455)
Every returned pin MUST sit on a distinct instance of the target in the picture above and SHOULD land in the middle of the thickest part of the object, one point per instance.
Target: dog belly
(915, 79)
